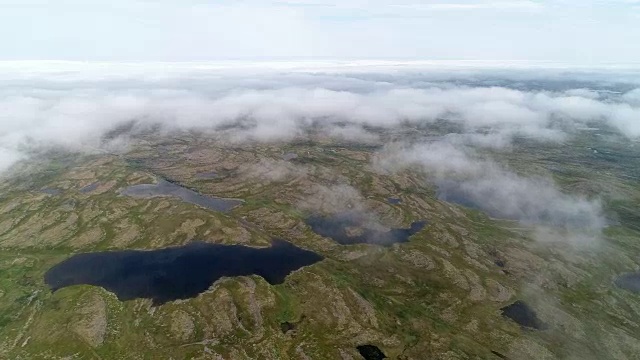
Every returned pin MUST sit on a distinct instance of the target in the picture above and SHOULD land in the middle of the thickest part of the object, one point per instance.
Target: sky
(568, 31)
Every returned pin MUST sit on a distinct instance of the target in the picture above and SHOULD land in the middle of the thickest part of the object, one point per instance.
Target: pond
(289, 156)
(177, 272)
(524, 315)
(166, 188)
(371, 352)
(629, 281)
(451, 191)
(51, 191)
(207, 175)
(89, 188)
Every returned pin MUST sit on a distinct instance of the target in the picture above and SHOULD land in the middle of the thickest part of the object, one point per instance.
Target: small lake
(177, 272)
(89, 188)
(371, 352)
(51, 191)
(207, 175)
(524, 315)
(451, 191)
(341, 228)
(629, 281)
(289, 156)
(166, 188)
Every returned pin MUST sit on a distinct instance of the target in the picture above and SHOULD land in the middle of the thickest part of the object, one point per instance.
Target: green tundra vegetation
(437, 296)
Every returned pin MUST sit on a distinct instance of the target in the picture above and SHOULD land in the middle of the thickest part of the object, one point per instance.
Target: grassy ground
(435, 297)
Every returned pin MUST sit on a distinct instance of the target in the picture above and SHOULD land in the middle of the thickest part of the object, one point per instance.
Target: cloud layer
(468, 179)
(75, 113)
(80, 111)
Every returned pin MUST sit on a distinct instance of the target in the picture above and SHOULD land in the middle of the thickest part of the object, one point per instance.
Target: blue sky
(569, 31)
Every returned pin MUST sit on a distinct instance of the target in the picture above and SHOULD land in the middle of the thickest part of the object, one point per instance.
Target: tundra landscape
(319, 210)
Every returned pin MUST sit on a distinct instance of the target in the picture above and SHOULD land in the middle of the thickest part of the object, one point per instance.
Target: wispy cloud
(57, 105)
(75, 109)
(464, 177)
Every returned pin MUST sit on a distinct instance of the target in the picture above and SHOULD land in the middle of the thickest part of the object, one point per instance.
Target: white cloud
(474, 181)
(632, 97)
(272, 170)
(74, 109)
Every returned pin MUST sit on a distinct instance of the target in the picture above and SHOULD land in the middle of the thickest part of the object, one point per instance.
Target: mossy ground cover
(435, 297)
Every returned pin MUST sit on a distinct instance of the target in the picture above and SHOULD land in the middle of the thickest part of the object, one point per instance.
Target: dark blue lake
(339, 228)
(165, 188)
(371, 352)
(524, 315)
(177, 272)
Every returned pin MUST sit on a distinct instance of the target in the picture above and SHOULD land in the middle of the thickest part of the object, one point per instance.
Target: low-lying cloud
(79, 119)
(470, 180)
(272, 170)
(42, 110)
(333, 199)
(78, 115)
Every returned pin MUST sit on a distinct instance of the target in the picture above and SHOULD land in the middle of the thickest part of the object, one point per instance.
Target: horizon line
(319, 62)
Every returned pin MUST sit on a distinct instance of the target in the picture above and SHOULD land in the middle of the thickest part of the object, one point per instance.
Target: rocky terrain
(440, 295)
